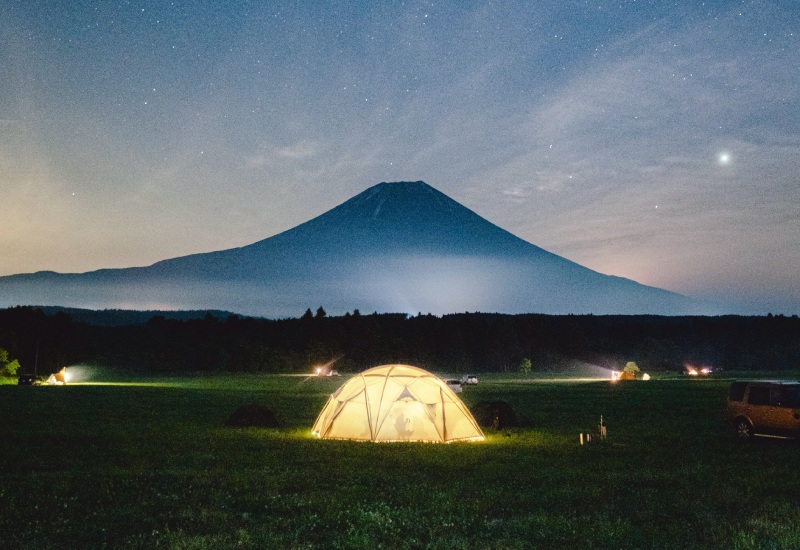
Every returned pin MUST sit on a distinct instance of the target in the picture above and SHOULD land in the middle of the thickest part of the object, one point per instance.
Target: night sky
(658, 141)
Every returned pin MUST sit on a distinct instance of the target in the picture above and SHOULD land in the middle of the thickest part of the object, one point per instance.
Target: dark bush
(494, 414)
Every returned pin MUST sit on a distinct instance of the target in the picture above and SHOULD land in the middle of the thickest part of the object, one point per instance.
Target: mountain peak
(397, 246)
(405, 203)
(418, 183)
(395, 190)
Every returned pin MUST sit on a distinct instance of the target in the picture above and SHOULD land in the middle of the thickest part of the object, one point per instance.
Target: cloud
(298, 151)
(620, 171)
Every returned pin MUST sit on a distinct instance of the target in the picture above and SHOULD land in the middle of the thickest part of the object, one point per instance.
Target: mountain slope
(403, 247)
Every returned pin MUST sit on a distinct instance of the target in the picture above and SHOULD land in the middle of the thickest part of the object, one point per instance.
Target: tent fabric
(396, 403)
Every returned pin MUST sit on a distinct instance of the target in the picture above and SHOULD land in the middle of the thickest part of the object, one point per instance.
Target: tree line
(43, 342)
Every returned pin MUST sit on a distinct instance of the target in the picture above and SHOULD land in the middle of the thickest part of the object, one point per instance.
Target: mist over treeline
(173, 342)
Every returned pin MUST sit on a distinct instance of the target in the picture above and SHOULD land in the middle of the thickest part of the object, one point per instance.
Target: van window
(737, 391)
(791, 397)
(759, 395)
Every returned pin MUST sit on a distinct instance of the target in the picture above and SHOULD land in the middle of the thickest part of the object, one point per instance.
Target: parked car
(764, 408)
(469, 379)
(29, 380)
(454, 385)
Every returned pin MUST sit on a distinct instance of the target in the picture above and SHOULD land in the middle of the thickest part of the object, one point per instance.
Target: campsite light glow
(694, 370)
(79, 374)
(582, 371)
(326, 370)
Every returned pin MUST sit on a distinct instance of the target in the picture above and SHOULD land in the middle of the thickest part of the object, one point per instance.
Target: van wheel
(744, 430)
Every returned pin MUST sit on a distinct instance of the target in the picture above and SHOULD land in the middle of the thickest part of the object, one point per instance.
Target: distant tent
(396, 403)
(58, 378)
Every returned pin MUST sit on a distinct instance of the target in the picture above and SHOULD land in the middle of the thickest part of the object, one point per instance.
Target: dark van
(29, 380)
(764, 408)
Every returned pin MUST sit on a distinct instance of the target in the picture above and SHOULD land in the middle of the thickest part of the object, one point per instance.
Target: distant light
(693, 370)
(724, 158)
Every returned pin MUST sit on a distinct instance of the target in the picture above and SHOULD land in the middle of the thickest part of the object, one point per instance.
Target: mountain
(396, 247)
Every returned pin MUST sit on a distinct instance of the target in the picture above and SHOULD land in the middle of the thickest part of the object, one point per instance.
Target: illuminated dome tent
(396, 403)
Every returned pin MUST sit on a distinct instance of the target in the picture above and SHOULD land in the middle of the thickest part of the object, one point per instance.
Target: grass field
(151, 465)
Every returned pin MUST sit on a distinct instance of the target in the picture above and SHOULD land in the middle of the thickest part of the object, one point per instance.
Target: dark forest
(44, 340)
